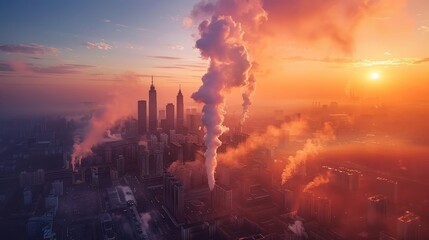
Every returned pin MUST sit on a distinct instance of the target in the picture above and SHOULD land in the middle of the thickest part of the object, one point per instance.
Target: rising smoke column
(298, 229)
(272, 137)
(247, 95)
(221, 41)
(145, 218)
(312, 147)
(266, 25)
(120, 105)
(250, 15)
(317, 181)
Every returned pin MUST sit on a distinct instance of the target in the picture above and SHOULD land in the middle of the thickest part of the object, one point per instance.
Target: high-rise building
(28, 197)
(170, 117)
(58, 187)
(323, 210)
(377, 210)
(153, 120)
(141, 118)
(388, 188)
(306, 207)
(222, 197)
(288, 200)
(174, 197)
(161, 114)
(180, 111)
(32, 178)
(194, 122)
(409, 227)
(159, 160)
(120, 165)
(143, 161)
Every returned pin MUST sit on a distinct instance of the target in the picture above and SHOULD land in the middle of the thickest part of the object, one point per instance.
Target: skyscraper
(409, 227)
(180, 111)
(323, 210)
(377, 210)
(174, 196)
(142, 128)
(170, 117)
(152, 109)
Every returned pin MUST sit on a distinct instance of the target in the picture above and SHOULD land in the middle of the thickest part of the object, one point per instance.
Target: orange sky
(298, 57)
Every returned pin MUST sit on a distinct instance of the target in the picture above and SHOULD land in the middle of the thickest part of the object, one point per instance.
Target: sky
(57, 55)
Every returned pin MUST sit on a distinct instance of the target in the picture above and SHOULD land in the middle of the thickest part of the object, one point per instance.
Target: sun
(375, 76)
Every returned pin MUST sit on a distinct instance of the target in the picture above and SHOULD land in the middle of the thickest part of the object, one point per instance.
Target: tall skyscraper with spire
(180, 111)
(153, 120)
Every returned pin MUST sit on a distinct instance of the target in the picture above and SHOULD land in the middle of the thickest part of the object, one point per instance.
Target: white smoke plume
(145, 217)
(247, 94)
(317, 181)
(221, 42)
(121, 105)
(250, 15)
(298, 229)
(241, 26)
(268, 139)
(115, 136)
(312, 147)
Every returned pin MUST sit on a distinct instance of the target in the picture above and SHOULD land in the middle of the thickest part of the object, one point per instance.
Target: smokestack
(221, 42)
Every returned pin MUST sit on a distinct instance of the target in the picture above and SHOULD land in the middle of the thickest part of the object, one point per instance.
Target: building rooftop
(408, 217)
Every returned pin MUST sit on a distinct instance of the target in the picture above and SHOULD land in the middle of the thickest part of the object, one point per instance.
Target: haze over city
(214, 119)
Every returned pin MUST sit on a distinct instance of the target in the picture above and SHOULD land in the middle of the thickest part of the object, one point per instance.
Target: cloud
(192, 67)
(155, 76)
(98, 45)
(170, 67)
(199, 66)
(422, 60)
(4, 67)
(62, 69)
(324, 60)
(17, 66)
(424, 29)
(28, 49)
(187, 22)
(176, 47)
(107, 20)
(166, 57)
(360, 62)
(121, 25)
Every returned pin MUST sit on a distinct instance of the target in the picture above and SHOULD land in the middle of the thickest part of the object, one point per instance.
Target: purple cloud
(61, 69)
(166, 57)
(57, 69)
(4, 67)
(28, 49)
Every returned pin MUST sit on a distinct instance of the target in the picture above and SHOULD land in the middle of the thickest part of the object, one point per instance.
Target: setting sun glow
(375, 76)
